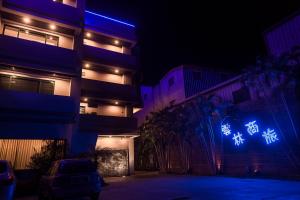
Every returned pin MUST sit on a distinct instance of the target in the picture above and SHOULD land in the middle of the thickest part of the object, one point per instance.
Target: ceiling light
(52, 26)
(117, 71)
(85, 99)
(116, 42)
(51, 38)
(116, 102)
(87, 65)
(26, 31)
(26, 20)
(88, 34)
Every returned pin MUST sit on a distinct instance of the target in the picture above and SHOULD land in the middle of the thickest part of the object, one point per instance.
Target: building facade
(176, 86)
(282, 37)
(66, 74)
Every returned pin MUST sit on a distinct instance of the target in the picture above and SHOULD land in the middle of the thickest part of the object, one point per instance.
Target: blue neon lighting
(109, 18)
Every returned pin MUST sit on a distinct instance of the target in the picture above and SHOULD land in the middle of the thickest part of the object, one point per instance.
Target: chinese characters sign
(252, 128)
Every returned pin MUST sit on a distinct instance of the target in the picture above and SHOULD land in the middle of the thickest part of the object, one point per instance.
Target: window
(82, 110)
(171, 81)
(31, 35)
(241, 95)
(17, 83)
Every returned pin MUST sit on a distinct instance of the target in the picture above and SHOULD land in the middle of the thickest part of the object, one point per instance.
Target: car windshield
(3, 167)
(77, 167)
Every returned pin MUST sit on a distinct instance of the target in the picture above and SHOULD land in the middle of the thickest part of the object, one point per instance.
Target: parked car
(7, 181)
(71, 178)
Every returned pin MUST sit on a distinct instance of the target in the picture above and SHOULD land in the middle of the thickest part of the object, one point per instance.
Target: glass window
(82, 110)
(26, 84)
(31, 35)
(51, 40)
(47, 87)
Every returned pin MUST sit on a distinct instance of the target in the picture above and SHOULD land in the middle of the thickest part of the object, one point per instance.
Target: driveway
(170, 187)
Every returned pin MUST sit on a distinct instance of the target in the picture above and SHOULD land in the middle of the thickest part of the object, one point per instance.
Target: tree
(51, 151)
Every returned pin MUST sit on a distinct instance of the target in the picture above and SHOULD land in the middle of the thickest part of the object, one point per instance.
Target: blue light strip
(105, 17)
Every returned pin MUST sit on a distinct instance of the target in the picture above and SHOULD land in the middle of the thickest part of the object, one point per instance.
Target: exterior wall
(184, 85)
(283, 37)
(28, 119)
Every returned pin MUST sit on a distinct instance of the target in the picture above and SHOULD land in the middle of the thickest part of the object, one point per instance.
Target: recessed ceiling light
(88, 34)
(117, 71)
(116, 42)
(87, 65)
(26, 20)
(85, 99)
(26, 31)
(51, 38)
(52, 26)
(116, 102)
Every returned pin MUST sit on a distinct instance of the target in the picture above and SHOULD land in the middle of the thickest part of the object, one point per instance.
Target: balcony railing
(26, 106)
(48, 9)
(38, 56)
(107, 57)
(107, 124)
(111, 91)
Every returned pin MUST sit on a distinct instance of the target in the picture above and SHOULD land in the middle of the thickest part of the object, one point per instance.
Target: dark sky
(225, 35)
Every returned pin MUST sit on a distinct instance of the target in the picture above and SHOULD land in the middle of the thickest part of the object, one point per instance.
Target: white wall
(100, 76)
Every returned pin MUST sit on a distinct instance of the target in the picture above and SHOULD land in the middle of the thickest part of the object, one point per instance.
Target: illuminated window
(31, 35)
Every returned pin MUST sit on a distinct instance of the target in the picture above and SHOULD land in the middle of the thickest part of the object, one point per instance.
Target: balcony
(48, 9)
(25, 106)
(38, 56)
(107, 124)
(110, 91)
(106, 57)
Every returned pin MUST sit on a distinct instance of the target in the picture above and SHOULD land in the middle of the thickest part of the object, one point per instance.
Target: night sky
(224, 35)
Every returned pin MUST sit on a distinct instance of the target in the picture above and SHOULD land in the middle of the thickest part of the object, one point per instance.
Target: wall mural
(251, 128)
(112, 162)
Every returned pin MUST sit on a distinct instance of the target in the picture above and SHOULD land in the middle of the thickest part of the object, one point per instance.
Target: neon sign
(252, 127)
(226, 129)
(269, 136)
(238, 139)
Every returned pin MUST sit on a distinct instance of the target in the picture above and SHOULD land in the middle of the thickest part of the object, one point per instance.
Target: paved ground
(195, 187)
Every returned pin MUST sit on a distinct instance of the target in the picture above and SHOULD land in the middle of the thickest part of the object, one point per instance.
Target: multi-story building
(283, 36)
(176, 86)
(65, 74)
